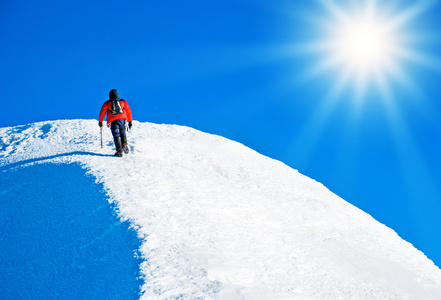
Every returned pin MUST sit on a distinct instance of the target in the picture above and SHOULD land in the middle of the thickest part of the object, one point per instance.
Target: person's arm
(128, 111)
(102, 113)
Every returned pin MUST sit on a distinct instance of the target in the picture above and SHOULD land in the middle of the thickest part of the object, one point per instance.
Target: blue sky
(263, 73)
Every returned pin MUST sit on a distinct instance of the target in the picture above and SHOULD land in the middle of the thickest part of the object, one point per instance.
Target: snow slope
(219, 221)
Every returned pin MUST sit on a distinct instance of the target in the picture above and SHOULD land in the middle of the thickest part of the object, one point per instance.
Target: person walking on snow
(118, 113)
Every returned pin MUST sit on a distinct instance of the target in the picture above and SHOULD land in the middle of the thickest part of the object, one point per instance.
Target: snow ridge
(220, 221)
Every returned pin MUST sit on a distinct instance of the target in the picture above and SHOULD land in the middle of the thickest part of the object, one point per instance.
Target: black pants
(118, 128)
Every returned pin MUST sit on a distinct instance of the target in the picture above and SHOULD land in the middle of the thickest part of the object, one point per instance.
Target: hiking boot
(125, 149)
(124, 143)
(118, 154)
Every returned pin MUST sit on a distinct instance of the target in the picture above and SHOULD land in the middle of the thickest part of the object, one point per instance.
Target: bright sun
(365, 45)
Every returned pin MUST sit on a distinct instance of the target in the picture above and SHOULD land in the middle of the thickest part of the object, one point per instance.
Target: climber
(118, 113)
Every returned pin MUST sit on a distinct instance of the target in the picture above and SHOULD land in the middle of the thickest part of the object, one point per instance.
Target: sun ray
(365, 46)
(364, 51)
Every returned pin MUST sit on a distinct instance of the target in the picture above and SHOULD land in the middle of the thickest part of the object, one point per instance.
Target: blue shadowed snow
(60, 239)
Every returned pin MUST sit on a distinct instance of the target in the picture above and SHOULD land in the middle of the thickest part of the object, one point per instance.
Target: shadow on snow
(41, 159)
(60, 238)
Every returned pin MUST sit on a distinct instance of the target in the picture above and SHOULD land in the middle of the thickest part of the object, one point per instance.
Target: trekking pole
(101, 131)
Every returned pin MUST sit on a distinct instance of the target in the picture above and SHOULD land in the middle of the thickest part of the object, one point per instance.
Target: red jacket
(107, 109)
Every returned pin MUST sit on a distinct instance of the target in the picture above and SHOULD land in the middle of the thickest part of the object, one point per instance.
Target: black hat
(113, 94)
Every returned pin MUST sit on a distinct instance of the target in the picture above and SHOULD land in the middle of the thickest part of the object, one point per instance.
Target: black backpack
(116, 107)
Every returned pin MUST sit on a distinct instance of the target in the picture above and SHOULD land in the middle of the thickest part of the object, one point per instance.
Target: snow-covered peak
(220, 221)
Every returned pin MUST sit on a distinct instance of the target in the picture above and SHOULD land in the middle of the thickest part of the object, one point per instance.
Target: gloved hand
(100, 124)
(130, 125)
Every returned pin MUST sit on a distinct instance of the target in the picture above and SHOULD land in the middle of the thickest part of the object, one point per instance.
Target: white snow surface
(218, 220)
